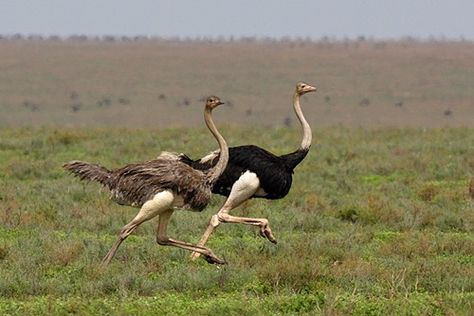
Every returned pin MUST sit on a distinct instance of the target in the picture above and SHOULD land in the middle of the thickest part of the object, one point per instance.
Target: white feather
(210, 157)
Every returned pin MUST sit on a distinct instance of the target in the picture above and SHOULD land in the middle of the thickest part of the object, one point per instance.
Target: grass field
(380, 218)
(151, 83)
(379, 221)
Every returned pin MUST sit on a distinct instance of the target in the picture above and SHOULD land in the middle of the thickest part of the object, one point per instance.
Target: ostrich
(253, 172)
(159, 186)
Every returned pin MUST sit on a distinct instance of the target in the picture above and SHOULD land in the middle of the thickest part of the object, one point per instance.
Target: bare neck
(215, 172)
(307, 136)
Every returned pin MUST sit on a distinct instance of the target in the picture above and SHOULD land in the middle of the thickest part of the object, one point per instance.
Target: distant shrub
(124, 101)
(364, 102)
(76, 107)
(448, 112)
(104, 102)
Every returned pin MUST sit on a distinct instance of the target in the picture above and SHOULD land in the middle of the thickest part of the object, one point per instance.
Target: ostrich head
(302, 88)
(213, 102)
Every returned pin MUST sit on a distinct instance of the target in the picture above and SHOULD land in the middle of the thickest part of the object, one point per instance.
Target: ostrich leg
(242, 190)
(163, 239)
(160, 203)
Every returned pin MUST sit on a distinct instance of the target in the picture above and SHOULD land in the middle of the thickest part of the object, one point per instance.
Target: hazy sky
(274, 18)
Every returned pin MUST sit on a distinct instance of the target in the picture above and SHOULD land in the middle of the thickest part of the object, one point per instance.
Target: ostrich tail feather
(89, 171)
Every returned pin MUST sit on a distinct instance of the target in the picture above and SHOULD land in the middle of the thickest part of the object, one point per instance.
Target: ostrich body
(253, 172)
(159, 186)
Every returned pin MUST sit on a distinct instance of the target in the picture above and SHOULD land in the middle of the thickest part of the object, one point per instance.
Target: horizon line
(229, 38)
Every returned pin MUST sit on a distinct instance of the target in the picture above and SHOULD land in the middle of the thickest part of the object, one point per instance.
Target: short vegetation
(378, 221)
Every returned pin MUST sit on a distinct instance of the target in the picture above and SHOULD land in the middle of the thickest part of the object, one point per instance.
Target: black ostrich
(253, 172)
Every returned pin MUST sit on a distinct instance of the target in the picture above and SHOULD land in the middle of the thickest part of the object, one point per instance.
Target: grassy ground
(379, 221)
(151, 83)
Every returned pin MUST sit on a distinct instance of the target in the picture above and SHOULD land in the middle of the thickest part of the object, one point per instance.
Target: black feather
(274, 172)
(293, 159)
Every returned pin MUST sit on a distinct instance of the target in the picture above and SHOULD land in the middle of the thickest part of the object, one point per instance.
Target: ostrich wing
(137, 183)
(274, 175)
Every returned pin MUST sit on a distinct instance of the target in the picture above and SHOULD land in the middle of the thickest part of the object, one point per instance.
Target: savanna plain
(379, 220)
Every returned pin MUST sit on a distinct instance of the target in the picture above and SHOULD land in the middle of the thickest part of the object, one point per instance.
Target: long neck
(307, 136)
(218, 169)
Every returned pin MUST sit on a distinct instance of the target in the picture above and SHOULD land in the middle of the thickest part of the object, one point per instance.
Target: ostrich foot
(266, 232)
(213, 259)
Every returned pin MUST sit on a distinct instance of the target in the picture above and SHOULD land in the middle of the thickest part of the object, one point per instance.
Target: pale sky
(380, 19)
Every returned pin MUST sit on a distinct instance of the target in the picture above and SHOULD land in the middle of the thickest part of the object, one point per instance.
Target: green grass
(378, 221)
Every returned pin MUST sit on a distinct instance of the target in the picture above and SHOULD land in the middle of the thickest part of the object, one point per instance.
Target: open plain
(379, 219)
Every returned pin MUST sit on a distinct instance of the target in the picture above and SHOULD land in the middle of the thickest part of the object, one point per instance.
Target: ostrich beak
(220, 102)
(311, 88)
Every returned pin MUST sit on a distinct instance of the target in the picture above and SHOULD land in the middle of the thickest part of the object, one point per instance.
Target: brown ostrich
(158, 187)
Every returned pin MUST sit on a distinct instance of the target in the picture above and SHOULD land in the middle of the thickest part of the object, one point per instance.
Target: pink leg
(242, 190)
(160, 203)
(163, 239)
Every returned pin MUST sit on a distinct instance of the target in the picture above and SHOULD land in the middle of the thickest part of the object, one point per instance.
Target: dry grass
(160, 84)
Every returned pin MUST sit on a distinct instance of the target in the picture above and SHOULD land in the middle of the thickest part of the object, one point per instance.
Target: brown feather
(89, 171)
(137, 183)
